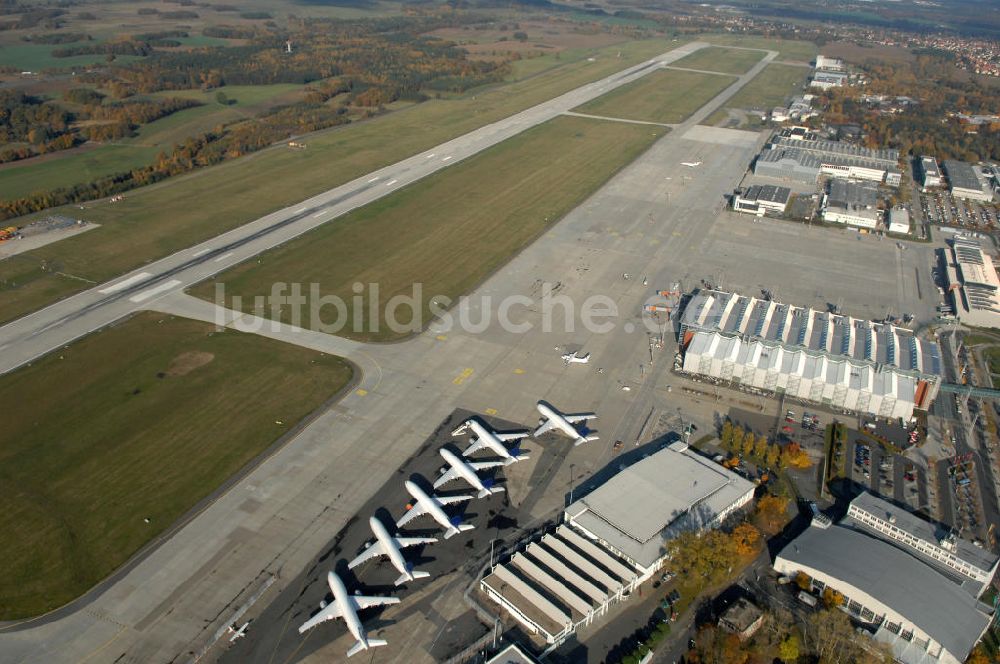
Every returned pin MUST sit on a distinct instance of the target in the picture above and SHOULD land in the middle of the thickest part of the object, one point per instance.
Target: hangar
(817, 356)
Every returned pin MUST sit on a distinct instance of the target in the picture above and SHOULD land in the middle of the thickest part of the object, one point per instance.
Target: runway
(172, 603)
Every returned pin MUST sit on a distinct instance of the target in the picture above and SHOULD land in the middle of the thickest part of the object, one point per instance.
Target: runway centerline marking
(156, 290)
(446, 158)
(320, 213)
(431, 155)
(223, 257)
(201, 253)
(122, 285)
(301, 210)
(391, 182)
(373, 179)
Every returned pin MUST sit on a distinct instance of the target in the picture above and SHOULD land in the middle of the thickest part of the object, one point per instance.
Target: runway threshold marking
(460, 378)
(223, 257)
(125, 283)
(156, 290)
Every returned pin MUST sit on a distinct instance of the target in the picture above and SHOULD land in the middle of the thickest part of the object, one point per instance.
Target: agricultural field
(771, 87)
(157, 220)
(80, 494)
(724, 60)
(667, 96)
(449, 231)
(69, 167)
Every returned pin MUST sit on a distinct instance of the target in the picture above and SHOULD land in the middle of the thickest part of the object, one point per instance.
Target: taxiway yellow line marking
(462, 376)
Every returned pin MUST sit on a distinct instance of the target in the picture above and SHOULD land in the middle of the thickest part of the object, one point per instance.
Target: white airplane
(554, 420)
(493, 440)
(434, 505)
(238, 632)
(691, 164)
(347, 606)
(387, 545)
(466, 470)
(576, 358)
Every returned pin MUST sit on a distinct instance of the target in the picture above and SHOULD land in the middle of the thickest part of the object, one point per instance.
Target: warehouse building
(919, 613)
(973, 281)
(965, 563)
(636, 512)
(899, 221)
(759, 200)
(612, 540)
(803, 158)
(851, 203)
(965, 181)
(824, 80)
(824, 63)
(815, 356)
(930, 174)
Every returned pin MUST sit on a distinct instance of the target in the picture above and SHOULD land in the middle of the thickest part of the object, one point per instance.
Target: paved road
(36, 334)
(271, 524)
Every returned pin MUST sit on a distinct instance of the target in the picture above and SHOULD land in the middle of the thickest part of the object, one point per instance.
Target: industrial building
(815, 356)
(966, 563)
(972, 279)
(636, 512)
(899, 221)
(852, 203)
(921, 614)
(823, 63)
(965, 182)
(759, 200)
(743, 619)
(824, 80)
(613, 539)
(930, 174)
(802, 157)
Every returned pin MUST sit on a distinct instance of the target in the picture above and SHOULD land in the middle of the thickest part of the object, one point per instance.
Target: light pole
(571, 467)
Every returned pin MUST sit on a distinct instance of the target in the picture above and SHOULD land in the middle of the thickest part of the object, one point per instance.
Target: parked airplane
(434, 505)
(347, 606)
(484, 437)
(554, 420)
(691, 164)
(466, 470)
(387, 545)
(576, 358)
(238, 632)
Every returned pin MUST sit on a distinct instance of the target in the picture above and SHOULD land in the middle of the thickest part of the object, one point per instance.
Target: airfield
(246, 555)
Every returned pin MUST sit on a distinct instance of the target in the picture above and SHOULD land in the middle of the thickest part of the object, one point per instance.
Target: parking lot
(945, 210)
(893, 476)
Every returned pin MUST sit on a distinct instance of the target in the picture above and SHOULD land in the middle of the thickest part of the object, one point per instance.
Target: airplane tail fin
(361, 645)
(460, 528)
(414, 574)
(489, 491)
(585, 439)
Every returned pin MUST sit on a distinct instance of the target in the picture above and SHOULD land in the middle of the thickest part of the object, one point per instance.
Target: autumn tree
(749, 442)
(746, 539)
(773, 455)
(772, 511)
(726, 437)
(788, 650)
(832, 598)
(795, 457)
(803, 581)
(760, 447)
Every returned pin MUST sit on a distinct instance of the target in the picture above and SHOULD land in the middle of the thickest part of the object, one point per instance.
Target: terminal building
(613, 539)
(816, 356)
(852, 203)
(930, 174)
(802, 157)
(761, 199)
(890, 581)
(973, 281)
(965, 182)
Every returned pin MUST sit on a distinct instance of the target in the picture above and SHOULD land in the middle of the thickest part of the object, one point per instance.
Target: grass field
(62, 170)
(664, 96)
(770, 88)
(157, 220)
(140, 421)
(791, 50)
(36, 57)
(451, 230)
(725, 60)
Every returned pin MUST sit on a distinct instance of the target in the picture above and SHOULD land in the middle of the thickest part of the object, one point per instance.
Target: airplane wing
(329, 612)
(403, 542)
(449, 475)
(545, 428)
(512, 436)
(361, 602)
(448, 500)
(374, 550)
(412, 514)
(477, 444)
(483, 465)
(580, 417)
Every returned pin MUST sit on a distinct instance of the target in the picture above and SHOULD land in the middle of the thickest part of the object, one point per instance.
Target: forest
(931, 126)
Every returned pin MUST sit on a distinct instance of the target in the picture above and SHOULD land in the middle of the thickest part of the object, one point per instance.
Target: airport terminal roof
(818, 331)
(645, 505)
(980, 285)
(962, 175)
(925, 530)
(940, 608)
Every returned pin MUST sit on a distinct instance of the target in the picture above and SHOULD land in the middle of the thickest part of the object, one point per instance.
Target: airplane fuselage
(431, 506)
(465, 471)
(558, 421)
(348, 609)
(389, 546)
(490, 439)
